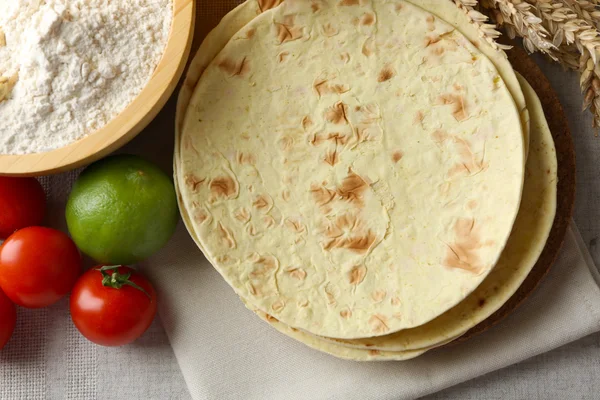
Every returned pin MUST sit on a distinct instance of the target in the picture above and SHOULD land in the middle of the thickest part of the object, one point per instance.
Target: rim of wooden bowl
(130, 122)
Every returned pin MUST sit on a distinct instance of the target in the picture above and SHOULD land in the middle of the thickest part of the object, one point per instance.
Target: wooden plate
(130, 121)
(565, 152)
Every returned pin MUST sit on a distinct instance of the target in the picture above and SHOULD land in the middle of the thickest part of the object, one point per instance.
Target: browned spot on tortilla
(430, 22)
(302, 303)
(315, 7)
(224, 186)
(245, 158)
(242, 214)
(278, 305)
(285, 195)
(398, 7)
(323, 87)
(378, 295)
(317, 139)
(307, 122)
(462, 253)
(188, 144)
(349, 3)
(331, 157)
(263, 266)
(286, 142)
(263, 202)
(367, 19)
(226, 236)
(337, 114)
(352, 188)
(338, 138)
(357, 274)
(378, 323)
(374, 352)
(368, 47)
(271, 318)
(345, 58)
(250, 33)
(468, 163)
(193, 182)
(395, 301)
(287, 31)
(294, 225)
(331, 292)
(458, 103)
(297, 273)
(438, 51)
(419, 117)
(264, 5)
(321, 194)
(224, 259)
(282, 56)
(347, 231)
(387, 73)
(234, 68)
(346, 313)
(201, 216)
(397, 156)
(457, 87)
(251, 229)
(330, 30)
(254, 291)
(472, 204)
(481, 302)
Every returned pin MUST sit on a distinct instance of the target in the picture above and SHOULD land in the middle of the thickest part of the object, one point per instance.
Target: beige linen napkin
(226, 352)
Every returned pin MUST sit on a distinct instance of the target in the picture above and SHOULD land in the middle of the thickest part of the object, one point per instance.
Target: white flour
(67, 67)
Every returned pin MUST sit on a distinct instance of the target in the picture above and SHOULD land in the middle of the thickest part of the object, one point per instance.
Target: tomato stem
(117, 280)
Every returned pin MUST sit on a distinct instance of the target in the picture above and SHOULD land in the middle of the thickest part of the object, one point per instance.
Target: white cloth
(226, 352)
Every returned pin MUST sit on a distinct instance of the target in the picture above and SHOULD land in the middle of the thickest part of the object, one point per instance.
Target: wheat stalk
(564, 30)
(487, 31)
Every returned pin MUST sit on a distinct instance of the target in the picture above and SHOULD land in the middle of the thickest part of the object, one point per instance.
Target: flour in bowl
(67, 67)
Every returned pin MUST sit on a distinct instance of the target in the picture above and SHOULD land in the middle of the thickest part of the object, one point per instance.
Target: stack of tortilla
(370, 177)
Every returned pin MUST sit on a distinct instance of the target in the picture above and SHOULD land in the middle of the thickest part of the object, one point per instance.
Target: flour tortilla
(346, 302)
(526, 243)
(202, 59)
(540, 230)
(237, 18)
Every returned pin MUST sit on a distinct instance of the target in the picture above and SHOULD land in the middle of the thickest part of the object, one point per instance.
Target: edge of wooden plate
(126, 125)
(565, 154)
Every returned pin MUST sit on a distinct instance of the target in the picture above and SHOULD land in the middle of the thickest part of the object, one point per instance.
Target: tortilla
(235, 20)
(202, 59)
(299, 220)
(526, 243)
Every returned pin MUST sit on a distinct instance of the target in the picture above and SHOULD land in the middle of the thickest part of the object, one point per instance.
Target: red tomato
(22, 204)
(8, 319)
(113, 308)
(38, 266)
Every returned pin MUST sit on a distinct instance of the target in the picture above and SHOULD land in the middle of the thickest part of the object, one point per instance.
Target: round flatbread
(510, 281)
(526, 242)
(351, 201)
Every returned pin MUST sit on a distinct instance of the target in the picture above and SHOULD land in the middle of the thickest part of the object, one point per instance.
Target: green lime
(121, 210)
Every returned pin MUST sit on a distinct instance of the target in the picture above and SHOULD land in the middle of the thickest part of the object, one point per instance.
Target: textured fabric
(227, 352)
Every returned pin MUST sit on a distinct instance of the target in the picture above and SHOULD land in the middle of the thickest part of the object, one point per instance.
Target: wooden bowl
(126, 125)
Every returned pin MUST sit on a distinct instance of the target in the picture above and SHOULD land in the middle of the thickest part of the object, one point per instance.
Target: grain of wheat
(564, 30)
